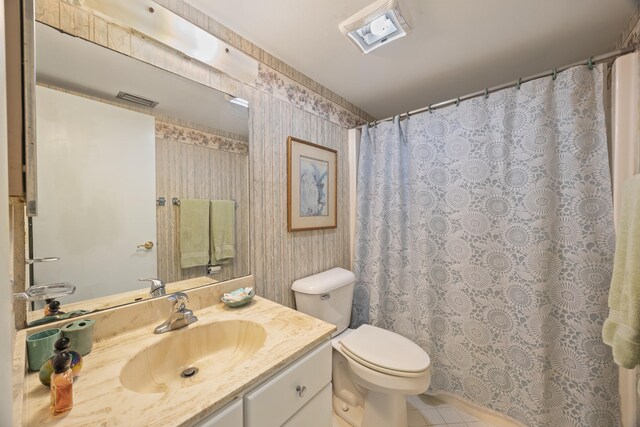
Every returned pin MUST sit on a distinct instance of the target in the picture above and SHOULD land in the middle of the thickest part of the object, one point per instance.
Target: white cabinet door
(316, 413)
(96, 195)
(274, 402)
(229, 416)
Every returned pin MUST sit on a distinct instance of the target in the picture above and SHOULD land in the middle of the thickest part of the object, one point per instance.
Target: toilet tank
(327, 296)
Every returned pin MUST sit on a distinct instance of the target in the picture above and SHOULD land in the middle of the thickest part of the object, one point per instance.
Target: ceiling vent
(136, 99)
(377, 24)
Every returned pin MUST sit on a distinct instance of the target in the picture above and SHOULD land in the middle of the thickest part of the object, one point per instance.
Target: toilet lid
(385, 351)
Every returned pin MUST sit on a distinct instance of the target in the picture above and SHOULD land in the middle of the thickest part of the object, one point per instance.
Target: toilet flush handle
(325, 297)
(301, 390)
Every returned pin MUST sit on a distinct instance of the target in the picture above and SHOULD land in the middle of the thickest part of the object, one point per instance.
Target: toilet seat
(385, 352)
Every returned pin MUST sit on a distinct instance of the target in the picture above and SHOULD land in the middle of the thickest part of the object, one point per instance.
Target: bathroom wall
(631, 33)
(280, 257)
(194, 164)
(283, 103)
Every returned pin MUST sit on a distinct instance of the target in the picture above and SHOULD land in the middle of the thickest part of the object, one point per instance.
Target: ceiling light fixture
(162, 25)
(239, 101)
(377, 24)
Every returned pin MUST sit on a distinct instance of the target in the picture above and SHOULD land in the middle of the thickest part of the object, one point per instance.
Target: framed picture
(312, 179)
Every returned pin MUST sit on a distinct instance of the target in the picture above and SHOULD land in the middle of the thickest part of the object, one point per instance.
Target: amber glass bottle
(61, 384)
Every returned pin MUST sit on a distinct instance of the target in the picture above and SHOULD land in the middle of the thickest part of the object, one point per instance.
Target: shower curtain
(485, 234)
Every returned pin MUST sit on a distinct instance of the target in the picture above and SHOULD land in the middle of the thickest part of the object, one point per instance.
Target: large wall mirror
(141, 174)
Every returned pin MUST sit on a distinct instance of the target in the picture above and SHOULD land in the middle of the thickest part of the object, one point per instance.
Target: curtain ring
(590, 63)
(555, 73)
(408, 115)
(429, 109)
(519, 83)
(457, 101)
(486, 93)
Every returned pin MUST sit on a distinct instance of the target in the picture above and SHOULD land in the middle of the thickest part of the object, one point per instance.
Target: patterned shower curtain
(485, 235)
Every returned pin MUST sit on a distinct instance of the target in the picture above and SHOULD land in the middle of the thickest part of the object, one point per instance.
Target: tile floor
(427, 411)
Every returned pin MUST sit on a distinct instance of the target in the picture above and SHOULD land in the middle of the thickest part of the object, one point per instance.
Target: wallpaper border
(186, 135)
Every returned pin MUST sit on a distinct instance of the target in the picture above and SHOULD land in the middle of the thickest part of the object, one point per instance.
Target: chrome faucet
(157, 287)
(180, 315)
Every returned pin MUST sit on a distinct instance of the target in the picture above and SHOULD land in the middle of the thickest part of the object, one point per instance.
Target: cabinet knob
(301, 390)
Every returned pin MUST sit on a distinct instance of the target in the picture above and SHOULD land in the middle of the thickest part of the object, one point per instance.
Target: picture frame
(312, 186)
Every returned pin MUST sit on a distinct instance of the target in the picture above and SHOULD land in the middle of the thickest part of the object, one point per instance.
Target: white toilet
(373, 369)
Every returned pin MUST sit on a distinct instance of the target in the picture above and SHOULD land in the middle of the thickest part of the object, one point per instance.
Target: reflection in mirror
(142, 174)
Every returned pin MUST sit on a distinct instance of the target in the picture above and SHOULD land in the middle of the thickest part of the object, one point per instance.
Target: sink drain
(189, 372)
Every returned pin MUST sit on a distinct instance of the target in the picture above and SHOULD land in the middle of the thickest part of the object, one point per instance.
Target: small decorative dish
(239, 297)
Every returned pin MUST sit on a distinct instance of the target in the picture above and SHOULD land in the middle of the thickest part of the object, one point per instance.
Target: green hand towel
(622, 329)
(223, 230)
(194, 233)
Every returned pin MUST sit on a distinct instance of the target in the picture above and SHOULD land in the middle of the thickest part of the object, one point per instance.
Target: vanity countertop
(101, 399)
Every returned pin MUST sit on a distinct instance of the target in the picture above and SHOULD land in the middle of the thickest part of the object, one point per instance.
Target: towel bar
(176, 202)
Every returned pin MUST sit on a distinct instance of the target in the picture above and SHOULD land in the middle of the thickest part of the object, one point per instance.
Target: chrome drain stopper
(189, 372)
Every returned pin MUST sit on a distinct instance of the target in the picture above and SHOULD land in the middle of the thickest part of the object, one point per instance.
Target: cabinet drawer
(279, 398)
(316, 413)
(229, 416)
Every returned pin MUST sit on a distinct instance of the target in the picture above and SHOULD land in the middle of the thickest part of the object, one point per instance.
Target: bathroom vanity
(286, 403)
(260, 365)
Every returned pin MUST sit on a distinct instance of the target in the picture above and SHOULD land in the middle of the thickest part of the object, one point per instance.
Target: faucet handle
(179, 300)
(157, 287)
(180, 315)
(155, 283)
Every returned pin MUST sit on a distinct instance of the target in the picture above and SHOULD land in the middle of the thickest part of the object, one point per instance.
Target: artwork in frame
(312, 178)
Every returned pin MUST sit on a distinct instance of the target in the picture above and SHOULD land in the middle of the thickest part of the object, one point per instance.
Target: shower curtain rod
(590, 62)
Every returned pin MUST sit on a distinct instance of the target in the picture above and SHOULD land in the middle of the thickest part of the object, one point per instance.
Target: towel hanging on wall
(194, 233)
(223, 230)
(622, 328)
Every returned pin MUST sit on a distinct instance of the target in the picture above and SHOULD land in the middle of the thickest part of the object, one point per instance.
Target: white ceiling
(72, 63)
(457, 46)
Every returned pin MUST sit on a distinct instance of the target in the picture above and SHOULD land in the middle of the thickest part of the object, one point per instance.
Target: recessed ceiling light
(377, 24)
